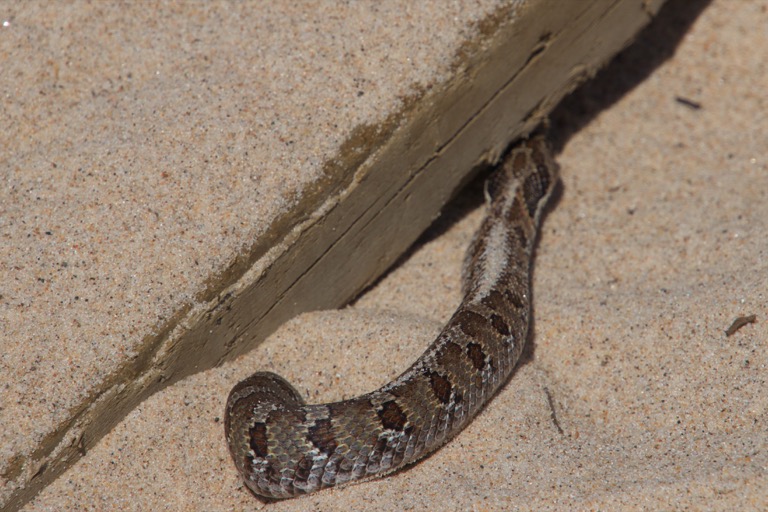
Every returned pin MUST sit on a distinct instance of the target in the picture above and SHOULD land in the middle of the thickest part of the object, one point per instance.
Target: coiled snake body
(283, 447)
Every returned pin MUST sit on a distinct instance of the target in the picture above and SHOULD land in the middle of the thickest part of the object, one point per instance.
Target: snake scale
(283, 447)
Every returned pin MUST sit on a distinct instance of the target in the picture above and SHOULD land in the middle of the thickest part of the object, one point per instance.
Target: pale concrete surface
(657, 243)
(180, 179)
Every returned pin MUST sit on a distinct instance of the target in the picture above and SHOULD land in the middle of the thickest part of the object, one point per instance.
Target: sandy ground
(630, 396)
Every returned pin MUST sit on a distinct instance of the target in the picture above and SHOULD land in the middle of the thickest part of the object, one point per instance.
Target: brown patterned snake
(283, 447)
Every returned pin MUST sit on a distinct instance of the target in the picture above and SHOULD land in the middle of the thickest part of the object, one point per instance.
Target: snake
(283, 447)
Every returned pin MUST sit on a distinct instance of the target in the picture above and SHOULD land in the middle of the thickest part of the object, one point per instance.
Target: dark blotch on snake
(520, 234)
(476, 355)
(258, 441)
(441, 387)
(513, 298)
(321, 435)
(378, 448)
(539, 160)
(500, 325)
(471, 323)
(303, 467)
(518, 163)
(495, 302)
(533, 187)
(392, 416)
